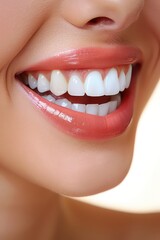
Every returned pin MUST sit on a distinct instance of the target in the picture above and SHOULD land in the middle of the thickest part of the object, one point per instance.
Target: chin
(86, 170)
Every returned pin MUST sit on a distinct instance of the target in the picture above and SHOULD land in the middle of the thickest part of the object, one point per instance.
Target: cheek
(18, 21)
(151, 12)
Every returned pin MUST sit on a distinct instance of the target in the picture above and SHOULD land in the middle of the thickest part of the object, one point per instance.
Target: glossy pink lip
(89, 58)
(83, 125)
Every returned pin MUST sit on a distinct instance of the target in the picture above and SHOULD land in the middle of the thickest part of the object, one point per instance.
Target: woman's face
(78, 50)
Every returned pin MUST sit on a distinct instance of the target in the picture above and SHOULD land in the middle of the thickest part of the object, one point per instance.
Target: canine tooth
(32, 81)
(111, 82)
(103, 109)
(92, 109)
(58, 84)
(64, 103)
(128, 76)
(112, 106)
(122, 81)
(49, 98)
(94, 84)
(75, 86)
(42, 84)
(79, 107)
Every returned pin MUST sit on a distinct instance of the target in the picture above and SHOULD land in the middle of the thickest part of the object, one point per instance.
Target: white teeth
(94, 84)
(103, 109)
(112, 106)
(122, 81)
(79, 107)
(111, 82)
(42, 84)
(75, 86)
(49, 98)
(92, 109)
(32, 81)
(64, 103)
(128, 76)
(58, 84)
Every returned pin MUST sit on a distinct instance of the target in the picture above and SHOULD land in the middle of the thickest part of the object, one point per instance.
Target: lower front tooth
(79, 107)
(103, 109)
(92, 109)
(49, 98)
(64, 103)
(112, 106)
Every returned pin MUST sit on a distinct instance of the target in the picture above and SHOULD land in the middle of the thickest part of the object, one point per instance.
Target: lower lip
(85, 126)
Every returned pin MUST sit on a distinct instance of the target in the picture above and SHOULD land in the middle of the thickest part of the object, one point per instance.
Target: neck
(28, 211)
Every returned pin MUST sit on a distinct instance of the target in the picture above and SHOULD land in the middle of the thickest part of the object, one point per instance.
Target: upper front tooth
(94, 84)
(75, 86)
(32, 81)
(128, 76)
(42, 84)
(58, 84)
(111, 82)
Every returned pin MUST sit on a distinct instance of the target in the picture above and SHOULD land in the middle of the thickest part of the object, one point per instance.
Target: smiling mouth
(88, 93)
(95, 92)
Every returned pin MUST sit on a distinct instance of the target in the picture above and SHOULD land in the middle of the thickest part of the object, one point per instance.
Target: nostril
(100, 22)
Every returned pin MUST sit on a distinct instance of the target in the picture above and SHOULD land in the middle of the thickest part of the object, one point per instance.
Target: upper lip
(89, 58)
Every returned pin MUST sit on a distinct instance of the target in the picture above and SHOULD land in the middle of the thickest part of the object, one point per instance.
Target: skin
(34, 172)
